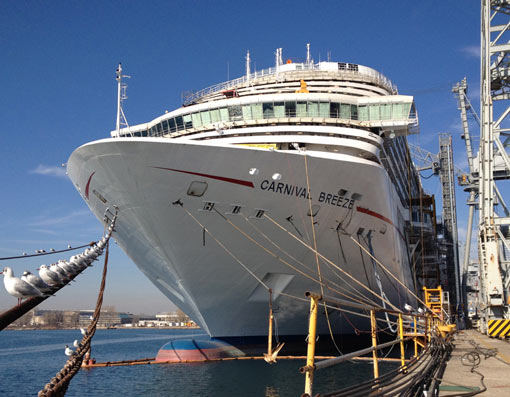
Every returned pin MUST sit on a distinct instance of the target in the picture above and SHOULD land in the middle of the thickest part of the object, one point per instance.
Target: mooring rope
(59, 384)
(388, 271)
(331, 262)
(358, 295)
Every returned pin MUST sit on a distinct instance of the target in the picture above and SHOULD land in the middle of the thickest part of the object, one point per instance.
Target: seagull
(69, 246)
(25, 254)
(69, 268)
(69, 352)
(76, 343)
(420, 310)
(52, 249)
(408, 307)
(61, 272)
(83, 331)
(17, 287)
(36, 282)
(49, 276)
(271, 358)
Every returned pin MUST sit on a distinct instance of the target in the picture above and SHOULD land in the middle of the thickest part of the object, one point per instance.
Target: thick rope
(58, 385)
(357, 296)
(333, 264)
(388, 272)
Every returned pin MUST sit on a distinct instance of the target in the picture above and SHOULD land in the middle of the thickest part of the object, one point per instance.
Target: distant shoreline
(77, 328)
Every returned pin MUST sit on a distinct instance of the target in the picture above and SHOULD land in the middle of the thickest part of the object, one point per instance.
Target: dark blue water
(29, 359)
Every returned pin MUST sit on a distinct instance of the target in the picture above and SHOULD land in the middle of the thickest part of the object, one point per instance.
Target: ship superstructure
(290, 179)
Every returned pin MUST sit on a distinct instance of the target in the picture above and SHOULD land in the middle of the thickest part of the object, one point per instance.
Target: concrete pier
(461, 376)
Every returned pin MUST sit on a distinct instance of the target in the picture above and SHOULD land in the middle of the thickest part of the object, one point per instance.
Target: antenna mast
(248, 66)
(308, 58)
(121, 96)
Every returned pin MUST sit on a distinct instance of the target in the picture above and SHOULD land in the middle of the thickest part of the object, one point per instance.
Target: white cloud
(51, 170)
(75, 217)
(471, 50)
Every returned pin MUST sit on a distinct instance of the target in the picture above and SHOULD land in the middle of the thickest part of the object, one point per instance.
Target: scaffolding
(493, 160)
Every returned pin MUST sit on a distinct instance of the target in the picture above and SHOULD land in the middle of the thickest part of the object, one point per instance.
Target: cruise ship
(289, 179)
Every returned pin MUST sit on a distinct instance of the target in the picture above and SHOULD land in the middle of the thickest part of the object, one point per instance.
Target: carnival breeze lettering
(284, 188)
(299, 191)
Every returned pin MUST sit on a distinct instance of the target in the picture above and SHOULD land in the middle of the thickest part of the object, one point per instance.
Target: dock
(477, 362)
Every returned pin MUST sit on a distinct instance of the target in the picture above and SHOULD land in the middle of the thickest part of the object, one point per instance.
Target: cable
(48, 253)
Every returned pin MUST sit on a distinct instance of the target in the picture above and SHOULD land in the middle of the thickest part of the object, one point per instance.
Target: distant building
(106, 318)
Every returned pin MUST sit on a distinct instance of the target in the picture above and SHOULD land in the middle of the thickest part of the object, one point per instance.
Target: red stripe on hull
(88, 185)
(219, 178)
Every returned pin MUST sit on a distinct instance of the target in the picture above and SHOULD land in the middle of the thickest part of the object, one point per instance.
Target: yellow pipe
(374, 342)
(401, 335)
(415, 339)
(270, 334)
(310, 354)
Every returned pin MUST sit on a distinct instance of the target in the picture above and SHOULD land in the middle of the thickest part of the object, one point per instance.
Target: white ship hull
(214, 275)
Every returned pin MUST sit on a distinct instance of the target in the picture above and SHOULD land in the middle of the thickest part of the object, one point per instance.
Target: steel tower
(492, 157)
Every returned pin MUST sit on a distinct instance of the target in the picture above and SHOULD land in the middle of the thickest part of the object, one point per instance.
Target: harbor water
(29, 359)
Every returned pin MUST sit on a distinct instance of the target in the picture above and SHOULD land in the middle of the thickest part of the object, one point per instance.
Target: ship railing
(189, 98)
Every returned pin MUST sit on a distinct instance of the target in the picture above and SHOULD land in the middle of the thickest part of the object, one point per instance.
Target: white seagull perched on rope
(68, 351)
(61, 273)
(48, 276)
(36, 282)
(408, 308)
(17, 287)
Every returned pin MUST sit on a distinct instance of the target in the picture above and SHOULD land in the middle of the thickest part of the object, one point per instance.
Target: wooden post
(374, 343)
(312, 334)
(401, 335)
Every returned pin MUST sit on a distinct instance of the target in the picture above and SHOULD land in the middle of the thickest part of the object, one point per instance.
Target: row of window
(284, 109)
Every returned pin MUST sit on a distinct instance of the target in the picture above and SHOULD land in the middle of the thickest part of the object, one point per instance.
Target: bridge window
(215, 115)
(279, 109)
(354, 112)
(187, 121)
(173, 127)
(247, 112)
(363, 112)
(256, 111)
(268, 110)
(301, 109)
(386, 111)
(313, 109)
(290, 109)
(345, 111)
(324, 109)
(179, 123)
(206, 117)
(334, 110)
(373, 111)
(197, 121)
(397, 111)
(224, 114)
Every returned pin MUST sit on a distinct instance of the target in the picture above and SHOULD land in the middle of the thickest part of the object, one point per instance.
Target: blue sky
(58, 91)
